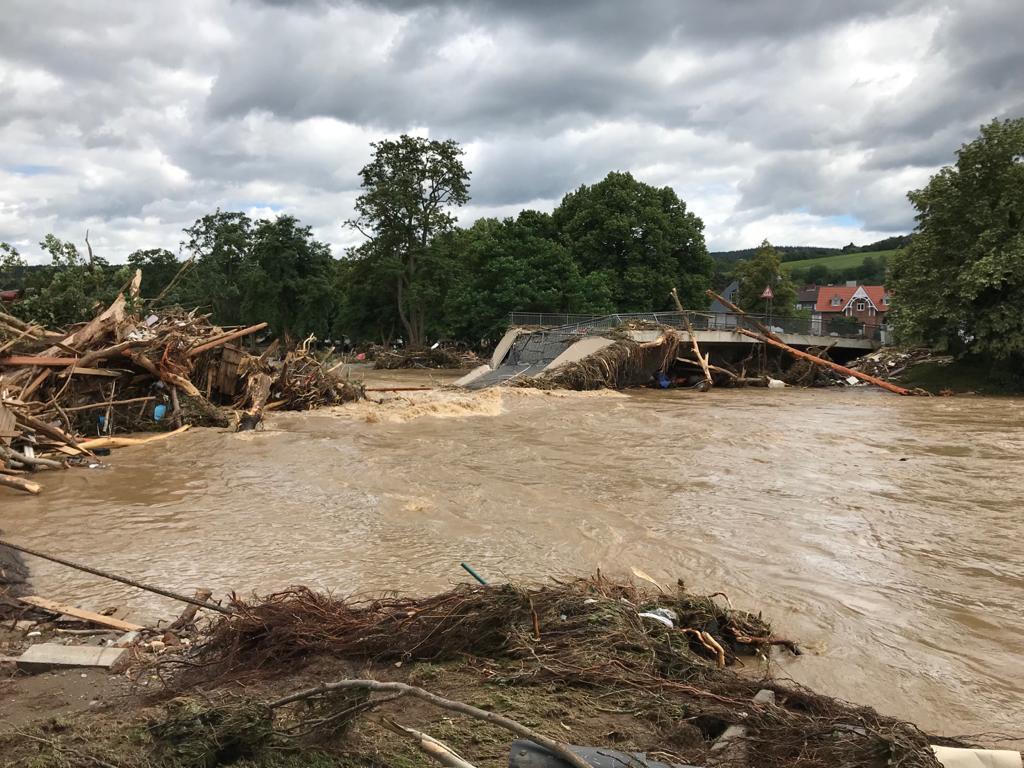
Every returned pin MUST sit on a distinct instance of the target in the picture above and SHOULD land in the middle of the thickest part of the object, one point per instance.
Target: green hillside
(836, 262)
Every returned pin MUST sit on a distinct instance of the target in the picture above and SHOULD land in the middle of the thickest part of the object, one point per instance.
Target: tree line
(617, 245)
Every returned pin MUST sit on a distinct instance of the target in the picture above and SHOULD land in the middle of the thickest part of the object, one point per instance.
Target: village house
(807, 297)
(867, 305)
(7, 297)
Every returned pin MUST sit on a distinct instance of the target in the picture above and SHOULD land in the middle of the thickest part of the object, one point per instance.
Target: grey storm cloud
(804, 121)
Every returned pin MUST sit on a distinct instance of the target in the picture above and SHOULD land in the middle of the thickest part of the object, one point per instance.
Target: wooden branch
(124, 442)
(50, 431)
(184, 267)
(225, 338)
(761, 326)
(30, 461)
(95, 406)
(430, 746)
(559, 749)
(827, 363)
(688, 361)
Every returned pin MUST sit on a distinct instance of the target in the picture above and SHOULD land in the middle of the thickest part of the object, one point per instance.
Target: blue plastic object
(664, 381)
(159, 412)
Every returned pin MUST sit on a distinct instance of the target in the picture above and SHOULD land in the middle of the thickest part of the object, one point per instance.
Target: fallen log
(826, 363)
(20, 484)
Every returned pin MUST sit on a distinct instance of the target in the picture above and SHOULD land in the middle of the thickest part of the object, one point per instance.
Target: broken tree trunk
(257, 393)
(827, 363)
(702, 359)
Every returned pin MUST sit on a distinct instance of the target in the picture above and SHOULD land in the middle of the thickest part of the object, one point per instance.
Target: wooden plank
(79, 613)
(7, 421)
(41, 360)
(77, 370)
(44, 656)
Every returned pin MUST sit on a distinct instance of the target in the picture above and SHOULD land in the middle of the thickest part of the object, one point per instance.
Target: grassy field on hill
(839, 261)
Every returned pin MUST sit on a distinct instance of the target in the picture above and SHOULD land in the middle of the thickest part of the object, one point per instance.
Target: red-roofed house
(866, 303)
(8, 296)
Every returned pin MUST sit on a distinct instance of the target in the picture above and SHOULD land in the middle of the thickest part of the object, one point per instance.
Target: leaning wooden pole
(826, 363)
(693, 340)
(114, 577)
(761, 326)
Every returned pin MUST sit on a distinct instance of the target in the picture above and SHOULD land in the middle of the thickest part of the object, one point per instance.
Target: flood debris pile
(661, 660)
(891, 362)
(441, 357)
(66, 394)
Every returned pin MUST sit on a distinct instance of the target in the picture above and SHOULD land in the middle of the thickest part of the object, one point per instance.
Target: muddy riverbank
(880, 531)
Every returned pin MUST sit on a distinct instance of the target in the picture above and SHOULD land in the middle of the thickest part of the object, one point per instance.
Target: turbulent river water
(883, 533)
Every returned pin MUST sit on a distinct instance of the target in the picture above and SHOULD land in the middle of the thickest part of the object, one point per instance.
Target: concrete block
(44, 656)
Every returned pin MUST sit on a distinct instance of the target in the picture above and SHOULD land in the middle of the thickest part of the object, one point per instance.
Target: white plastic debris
(666, 616)
(851, 380)
(953, 757)
(776, 383)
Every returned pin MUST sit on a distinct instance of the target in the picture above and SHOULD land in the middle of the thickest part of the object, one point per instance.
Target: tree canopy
(409, 190)
(760, 272)
(959, 286)
(641, 238)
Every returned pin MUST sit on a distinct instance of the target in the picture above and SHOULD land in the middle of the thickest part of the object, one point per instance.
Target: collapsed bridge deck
(530, 348)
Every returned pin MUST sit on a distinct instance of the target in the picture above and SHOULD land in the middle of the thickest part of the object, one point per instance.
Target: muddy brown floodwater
(883, 533)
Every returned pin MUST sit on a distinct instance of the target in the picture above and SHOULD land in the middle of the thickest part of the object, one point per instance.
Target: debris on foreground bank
(65, 395)
(592, 661)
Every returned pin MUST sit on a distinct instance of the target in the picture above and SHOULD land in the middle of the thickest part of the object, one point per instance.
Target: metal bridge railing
(839, 327)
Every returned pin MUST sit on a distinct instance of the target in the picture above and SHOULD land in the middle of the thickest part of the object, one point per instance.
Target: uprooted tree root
(585, 635)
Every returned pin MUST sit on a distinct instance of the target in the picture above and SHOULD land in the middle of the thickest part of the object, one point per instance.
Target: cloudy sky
(804, 121)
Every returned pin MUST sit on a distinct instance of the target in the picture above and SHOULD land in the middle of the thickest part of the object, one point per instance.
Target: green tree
(288, 282)
(72, 288)
(12, 267)
(641, 237)
(158, 265)
(760, 272)
(959, 286)
(498, 267)
(219, 243)
(409, 189)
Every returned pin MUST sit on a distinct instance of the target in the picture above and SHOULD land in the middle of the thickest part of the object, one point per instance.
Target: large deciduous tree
(762, 271)
(410, 188)
(289, 280)
(959, 286)
(219, 243)
(497, 267)
(642, 238)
